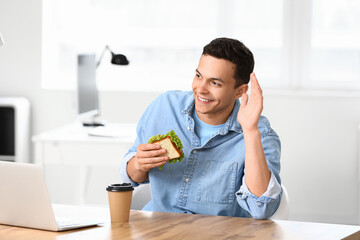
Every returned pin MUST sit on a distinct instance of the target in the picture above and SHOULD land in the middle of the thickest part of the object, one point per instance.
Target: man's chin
(201, 111)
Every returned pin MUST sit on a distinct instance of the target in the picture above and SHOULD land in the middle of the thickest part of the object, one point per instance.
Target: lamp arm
(102, 54)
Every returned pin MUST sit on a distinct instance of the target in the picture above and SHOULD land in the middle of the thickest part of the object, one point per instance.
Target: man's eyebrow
(213, 78)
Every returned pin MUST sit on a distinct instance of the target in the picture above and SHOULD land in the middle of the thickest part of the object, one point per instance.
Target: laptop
(25, 202)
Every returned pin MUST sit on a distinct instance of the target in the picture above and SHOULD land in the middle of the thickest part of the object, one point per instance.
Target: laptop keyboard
(66, 223)
(70, 217)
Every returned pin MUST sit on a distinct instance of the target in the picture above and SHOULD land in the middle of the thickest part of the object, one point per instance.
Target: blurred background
(307, 60)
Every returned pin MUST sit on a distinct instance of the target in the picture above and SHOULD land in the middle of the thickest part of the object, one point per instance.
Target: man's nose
(202, 87)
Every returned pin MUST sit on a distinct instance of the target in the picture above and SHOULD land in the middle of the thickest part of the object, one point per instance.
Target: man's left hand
(250, 109)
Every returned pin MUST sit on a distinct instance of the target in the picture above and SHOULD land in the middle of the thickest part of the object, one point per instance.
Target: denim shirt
(210, 179)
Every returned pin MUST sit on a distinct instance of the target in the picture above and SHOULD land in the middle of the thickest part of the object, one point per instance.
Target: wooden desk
(155, 225)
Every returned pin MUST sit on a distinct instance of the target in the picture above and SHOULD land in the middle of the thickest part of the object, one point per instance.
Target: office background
(319, 128)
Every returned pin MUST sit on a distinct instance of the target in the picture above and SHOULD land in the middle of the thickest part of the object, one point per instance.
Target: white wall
(319, 133)
(20, 64)
(320, 145)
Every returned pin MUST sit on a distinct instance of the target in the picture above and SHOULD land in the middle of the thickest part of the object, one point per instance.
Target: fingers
(255, 86)
(150, 153)
(148, 146)
(147, 166)
(148, 163)
(153, 161)
(148, 150)
(254, 80)
(244, 99)
(150, 156)
(256, 97)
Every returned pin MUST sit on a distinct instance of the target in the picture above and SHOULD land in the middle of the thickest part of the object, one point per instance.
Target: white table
(71, 145)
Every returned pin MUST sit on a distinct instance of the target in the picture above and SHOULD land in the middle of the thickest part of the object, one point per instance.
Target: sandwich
(171, 142)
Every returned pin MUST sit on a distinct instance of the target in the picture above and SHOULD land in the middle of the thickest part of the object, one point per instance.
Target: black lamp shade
(119, 59)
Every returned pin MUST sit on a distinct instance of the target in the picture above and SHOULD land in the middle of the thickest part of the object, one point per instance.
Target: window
(261, 30)
(296, 44)
(335, 44)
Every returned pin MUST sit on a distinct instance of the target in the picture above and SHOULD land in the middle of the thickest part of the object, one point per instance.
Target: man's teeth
(204, 100)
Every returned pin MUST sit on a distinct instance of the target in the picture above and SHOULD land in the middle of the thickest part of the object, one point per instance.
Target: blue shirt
(203, 130)
(210, 179)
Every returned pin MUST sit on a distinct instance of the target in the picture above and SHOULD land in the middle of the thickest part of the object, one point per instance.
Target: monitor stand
(93, 122)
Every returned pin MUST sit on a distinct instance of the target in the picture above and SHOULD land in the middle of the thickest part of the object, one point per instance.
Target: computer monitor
(87, 92)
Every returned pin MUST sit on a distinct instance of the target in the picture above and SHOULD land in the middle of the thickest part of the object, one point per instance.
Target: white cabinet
(73, 161)
(72, 145)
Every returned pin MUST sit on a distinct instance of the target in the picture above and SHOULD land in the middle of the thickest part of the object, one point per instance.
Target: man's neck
(217, 118)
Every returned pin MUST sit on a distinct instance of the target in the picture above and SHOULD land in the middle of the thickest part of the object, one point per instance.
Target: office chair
(141, 196)
(282, 213)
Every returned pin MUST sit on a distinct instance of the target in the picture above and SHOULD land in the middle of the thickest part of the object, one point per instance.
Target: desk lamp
(87, 90)
(1, 40)
(117, 59)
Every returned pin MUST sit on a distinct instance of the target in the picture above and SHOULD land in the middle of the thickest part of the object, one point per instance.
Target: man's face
(214, 89)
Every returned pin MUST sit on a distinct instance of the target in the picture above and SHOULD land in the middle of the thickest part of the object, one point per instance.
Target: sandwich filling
(171, 142)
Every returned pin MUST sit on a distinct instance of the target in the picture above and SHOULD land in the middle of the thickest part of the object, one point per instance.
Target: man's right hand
(147, 156)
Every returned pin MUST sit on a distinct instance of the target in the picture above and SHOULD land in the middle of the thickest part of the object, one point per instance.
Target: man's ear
(241, 90)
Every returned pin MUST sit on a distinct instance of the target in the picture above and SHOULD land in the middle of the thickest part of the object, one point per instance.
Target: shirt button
(194, 151)
(187, 180)
(260, 204)
(189, 128)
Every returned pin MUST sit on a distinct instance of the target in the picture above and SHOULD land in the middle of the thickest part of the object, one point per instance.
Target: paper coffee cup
(120, 201)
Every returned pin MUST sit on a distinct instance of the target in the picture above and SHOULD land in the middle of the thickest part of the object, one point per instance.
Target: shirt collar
(231, 123)
(189, 104)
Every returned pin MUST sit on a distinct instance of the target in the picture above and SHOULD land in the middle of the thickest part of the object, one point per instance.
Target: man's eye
(215, 83)
(198, 75)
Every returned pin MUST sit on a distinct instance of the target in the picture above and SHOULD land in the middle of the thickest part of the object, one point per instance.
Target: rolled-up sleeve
(262, 207)
(265, 206)
(122, 170)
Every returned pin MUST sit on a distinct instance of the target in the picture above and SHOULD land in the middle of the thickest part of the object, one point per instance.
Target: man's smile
(204, 100)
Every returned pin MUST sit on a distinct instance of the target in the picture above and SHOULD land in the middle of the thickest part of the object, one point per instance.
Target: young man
(232, 156)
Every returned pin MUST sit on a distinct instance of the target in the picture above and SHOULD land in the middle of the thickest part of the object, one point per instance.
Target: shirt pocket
(217, 183)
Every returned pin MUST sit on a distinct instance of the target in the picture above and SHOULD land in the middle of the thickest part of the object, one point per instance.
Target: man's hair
(237, 53)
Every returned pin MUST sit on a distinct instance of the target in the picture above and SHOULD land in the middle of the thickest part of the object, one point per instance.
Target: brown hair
(237, 53)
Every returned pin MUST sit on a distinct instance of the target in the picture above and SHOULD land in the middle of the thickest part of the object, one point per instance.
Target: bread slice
(172, 150)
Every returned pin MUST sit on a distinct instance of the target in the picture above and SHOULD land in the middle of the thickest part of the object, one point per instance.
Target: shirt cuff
(272, 192)
(122, 170)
